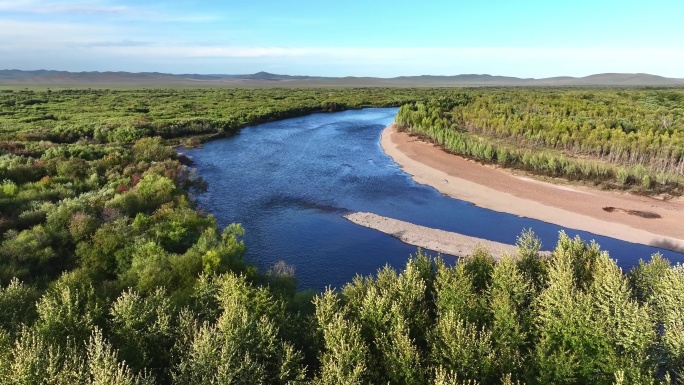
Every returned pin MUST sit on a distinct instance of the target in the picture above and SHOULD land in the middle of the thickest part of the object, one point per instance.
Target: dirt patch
(643, 214)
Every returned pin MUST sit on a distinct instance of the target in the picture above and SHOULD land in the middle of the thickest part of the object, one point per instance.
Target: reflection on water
(290, 182)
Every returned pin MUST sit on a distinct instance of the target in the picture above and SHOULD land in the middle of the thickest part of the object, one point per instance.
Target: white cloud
(33, 36)
(83, 45)
(101, 9)
(16, 5)
(409, 53)
(51, 7)
(118, 43)
(383, 61)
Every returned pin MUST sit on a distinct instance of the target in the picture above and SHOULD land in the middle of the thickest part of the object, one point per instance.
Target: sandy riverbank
(428, 238)
(638, 219)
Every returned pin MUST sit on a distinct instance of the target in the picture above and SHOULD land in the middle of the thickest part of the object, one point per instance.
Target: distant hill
(264, 76)
(64, 78)
(613, 79)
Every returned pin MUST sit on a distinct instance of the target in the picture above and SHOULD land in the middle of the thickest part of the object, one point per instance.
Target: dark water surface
(289, 183)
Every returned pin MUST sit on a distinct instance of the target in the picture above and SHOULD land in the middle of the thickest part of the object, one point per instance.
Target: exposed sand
(428, 238)
(638, 219)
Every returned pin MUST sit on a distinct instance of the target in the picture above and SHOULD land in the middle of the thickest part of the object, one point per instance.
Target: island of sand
(638, 219)
(445, 242)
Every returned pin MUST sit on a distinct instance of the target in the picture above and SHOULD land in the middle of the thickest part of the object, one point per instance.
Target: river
(289, 183)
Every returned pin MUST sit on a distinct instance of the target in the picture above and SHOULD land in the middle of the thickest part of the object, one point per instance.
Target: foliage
(110, 275)
(570, 318)
(620, 139)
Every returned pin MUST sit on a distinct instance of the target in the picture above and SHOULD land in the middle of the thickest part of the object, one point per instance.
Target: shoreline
(427, 238)
(637, 219)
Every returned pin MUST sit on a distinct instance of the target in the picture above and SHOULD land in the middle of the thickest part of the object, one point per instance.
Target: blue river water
(289, 183)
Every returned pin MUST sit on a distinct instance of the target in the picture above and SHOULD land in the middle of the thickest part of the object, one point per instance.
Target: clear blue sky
(339, 38)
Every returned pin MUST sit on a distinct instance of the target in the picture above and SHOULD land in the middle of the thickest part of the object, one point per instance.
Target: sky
(346, 38)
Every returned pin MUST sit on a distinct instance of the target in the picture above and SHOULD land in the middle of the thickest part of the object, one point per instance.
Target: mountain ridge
(55, 77)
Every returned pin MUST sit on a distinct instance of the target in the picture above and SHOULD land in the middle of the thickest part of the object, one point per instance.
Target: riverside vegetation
(110, 275)
(624, 139)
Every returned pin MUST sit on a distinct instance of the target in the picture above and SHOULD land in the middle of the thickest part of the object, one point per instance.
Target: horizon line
(337, 77)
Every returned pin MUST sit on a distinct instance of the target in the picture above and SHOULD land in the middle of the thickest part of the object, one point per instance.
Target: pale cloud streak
(35, 36)
(525, 53)
(16, 5)
(99, 8)
(51, 7)
(119, 43)
(520, 61)
(108, 38)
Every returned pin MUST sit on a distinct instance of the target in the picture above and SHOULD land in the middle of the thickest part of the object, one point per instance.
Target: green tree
(17, 306)
(510, 296)
(143, 329)
(69, 311)
(462, 348)
(151, 150)
(343, 360)
(530, 260)
(35, 361)
(151, 192)
(393, 314)
(569, 349)
(455, 293)
(668, 307)
(104, 367)
(109, 251)
(244, 345)
(625, 324)
(644, 278)
(27, 255)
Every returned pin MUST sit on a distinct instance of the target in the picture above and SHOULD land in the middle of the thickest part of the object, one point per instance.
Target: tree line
(569, 318)
(620, 139)
(123, 116)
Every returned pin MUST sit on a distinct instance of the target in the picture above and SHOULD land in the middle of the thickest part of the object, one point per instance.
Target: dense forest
(109, 273)
(619, 139)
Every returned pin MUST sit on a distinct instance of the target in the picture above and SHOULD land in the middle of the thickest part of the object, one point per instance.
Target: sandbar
(431, 239)
(633, 218)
